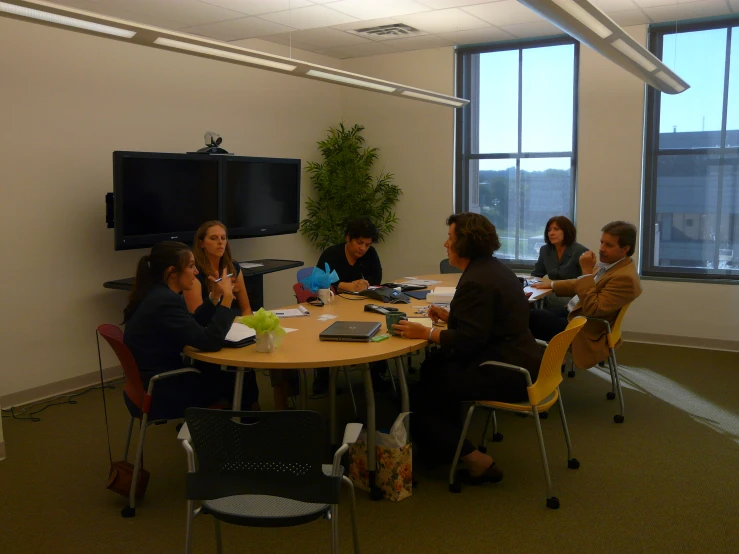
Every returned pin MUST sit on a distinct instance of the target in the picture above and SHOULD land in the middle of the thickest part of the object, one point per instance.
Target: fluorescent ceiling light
(180, 45)
(56, 19)
(624, 48)
(349, 80)
(670, 81)
(156, 37)
(429, 97)
(585, 22)
(584, 17)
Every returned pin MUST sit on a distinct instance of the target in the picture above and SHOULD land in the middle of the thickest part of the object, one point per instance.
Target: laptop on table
(351, 331)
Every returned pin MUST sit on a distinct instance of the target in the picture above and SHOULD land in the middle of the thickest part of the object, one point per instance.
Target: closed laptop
(352, 331)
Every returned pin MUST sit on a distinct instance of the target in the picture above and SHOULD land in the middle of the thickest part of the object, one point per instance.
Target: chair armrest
(167, 374)
(522, 370)
(184, 434)
(601, 320)
(351, 433)
(190, 456)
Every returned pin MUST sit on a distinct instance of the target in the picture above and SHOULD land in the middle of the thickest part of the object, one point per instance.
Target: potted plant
(346, 189)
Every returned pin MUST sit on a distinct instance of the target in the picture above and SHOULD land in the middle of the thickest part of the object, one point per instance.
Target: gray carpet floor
(666, 480)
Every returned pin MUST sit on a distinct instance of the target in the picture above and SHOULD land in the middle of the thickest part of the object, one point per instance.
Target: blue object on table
(320, 279)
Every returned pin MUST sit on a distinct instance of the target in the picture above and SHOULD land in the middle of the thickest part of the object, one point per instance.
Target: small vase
(265, 342)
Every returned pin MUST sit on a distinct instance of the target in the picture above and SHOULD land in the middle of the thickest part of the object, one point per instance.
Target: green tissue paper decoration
(264, 322)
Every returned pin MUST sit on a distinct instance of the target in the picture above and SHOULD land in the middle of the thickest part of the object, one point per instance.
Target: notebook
(352, 331)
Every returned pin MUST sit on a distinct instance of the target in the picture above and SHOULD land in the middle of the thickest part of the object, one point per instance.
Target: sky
(547, 95)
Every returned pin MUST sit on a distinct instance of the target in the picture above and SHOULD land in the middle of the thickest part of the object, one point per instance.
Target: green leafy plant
(346, 189)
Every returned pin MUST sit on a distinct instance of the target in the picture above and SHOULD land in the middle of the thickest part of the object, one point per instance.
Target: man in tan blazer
(604, 288)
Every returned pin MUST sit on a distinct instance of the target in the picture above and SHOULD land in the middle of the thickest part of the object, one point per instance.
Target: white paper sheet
(291, 312)
(239, 332)
(249, 265)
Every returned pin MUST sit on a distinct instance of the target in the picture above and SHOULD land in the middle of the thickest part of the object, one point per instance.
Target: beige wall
(416, 142)
(68, 101)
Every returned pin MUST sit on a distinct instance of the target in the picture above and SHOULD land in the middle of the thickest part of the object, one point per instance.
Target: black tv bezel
(133, 242)
(257, 230)
(122, 242)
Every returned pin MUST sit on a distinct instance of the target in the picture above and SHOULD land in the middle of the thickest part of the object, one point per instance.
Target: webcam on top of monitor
(212, 144)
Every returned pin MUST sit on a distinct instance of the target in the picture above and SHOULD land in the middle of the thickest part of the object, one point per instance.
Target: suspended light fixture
(92, 23)
(583, 21)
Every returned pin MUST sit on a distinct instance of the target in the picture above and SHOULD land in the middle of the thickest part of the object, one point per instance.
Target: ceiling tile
(236, 29)
(533, 30)
(173, 14)
(318, 39)
(508, 12)
(629, 17)
(443, 21)
(477, 36)
(442, 4)
(418, 43)
(358, 50)
(688, 10)
(367, 23)
(734, 5)
(309, 18)
(609, 5)
(258, 7)
(363, 9)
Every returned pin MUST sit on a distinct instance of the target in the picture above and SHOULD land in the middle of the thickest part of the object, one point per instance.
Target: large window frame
(652, 153)
(467, 130)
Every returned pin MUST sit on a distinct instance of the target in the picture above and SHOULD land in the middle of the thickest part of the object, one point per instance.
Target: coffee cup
(326, 295)
(392, 318)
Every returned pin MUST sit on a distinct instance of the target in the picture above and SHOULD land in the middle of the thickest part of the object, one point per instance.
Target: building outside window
(691, 200)
(516, 140)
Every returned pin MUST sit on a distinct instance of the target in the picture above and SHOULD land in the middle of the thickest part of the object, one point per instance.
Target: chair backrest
(304, 272)
(277, 453)
(550, 370)
(446, 267)
(615, 335)
(301, 293)
(133, 387)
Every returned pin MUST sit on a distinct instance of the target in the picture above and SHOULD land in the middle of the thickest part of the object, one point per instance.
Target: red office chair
(138, 401)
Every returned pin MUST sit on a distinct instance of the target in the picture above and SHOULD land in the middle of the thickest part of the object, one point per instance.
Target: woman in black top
(488, 319)
(212, 253)
(559, 258)
(158, 326)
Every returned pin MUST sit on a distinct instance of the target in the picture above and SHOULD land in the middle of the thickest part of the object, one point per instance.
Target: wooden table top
(302, 349)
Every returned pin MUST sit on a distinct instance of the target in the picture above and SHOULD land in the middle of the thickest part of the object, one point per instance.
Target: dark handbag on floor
(121, 476)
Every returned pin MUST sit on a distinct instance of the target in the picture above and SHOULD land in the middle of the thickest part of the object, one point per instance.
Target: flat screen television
(162, 196)
(159, 196)
(260, 196)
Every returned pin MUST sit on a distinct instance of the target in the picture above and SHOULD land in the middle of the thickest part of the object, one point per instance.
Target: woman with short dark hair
(159, 325)
(488, 319)
(559, 258)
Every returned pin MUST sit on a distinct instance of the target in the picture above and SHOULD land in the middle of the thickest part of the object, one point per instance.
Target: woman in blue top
(559, 258)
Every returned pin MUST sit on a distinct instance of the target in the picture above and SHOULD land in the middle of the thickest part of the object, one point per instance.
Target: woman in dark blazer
(559, 258)
(488, 319)
(159, 325)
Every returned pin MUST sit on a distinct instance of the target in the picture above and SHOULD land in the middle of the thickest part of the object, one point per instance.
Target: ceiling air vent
(387, 32)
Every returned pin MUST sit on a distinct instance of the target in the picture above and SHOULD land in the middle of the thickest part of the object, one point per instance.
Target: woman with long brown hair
(212, 256)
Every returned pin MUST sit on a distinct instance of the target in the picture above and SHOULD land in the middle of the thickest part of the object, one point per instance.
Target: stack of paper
(441, 295)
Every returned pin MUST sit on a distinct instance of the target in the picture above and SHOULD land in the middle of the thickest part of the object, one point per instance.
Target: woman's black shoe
(493, 474)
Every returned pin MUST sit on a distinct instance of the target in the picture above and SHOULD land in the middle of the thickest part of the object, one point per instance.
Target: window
(691, 200)
(516, 139)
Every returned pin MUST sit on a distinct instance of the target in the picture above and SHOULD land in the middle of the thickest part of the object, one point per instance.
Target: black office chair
(446, 267)
(263, 469)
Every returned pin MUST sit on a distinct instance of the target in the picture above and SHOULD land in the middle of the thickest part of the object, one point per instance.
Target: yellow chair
(543, 394)
(613, 336)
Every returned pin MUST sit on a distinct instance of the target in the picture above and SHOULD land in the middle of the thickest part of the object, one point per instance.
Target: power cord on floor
(24, 413)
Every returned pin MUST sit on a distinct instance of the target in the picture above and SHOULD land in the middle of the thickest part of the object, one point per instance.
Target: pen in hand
(221, 278)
